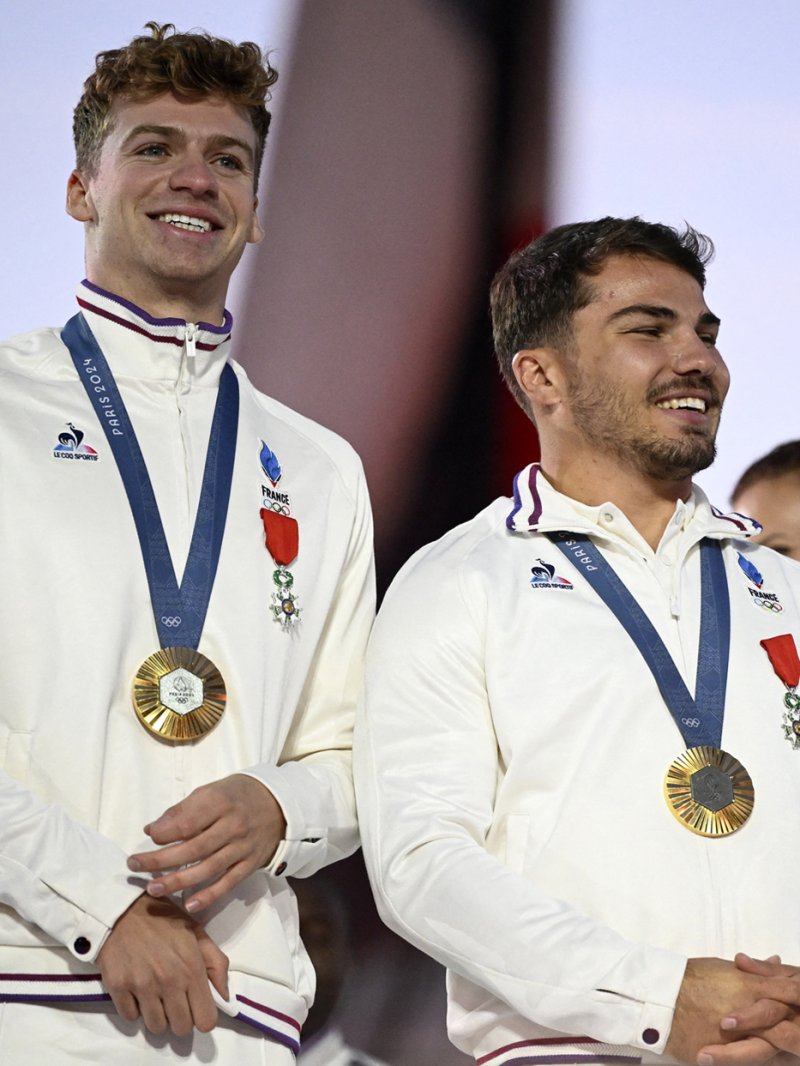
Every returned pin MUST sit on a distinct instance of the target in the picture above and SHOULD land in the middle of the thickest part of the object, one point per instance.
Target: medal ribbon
(179, 611)
(782, 652)
(282, 536)
(708, 705)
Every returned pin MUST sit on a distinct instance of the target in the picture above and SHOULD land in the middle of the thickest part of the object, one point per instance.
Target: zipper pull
(191, 339)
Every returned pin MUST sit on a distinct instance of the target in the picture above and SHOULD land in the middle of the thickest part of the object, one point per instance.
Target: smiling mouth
(186, 222)
(684, 403)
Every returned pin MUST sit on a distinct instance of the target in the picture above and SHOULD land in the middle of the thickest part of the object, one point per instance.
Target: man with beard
(578, 762)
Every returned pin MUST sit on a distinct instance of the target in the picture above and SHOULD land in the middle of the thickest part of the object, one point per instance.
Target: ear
(256, 232)
(538, 374)
(79, 201)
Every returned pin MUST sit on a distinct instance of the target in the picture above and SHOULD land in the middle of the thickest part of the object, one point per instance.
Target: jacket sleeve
(427, 771)
(58, 874)
(313, 779)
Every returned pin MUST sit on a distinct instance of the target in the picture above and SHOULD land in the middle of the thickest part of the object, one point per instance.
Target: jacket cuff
(301, 844)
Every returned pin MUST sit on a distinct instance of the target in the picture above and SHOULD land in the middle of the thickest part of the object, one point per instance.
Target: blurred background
(415, 143)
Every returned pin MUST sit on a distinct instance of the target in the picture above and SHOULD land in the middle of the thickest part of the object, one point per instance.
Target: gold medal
(178, 694)
(709, 791)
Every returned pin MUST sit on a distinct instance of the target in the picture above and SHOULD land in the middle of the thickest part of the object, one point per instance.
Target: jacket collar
(137, 345)
(538, 507)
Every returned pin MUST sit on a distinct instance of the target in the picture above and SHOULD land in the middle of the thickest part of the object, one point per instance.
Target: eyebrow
(708, 318)
(217, 140)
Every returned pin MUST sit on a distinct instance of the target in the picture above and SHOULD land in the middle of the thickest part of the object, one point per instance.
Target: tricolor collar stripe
(207, 327)
(134, 328)
(526, 499)
(732, 518)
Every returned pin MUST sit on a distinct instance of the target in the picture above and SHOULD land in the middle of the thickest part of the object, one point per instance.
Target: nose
(193, 173)
(695, 355)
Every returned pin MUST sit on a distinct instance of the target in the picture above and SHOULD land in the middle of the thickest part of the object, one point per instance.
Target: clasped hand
(216, 837)
(737, 1014)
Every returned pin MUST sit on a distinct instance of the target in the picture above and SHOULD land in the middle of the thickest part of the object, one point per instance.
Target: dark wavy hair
(783, 459)
(536, 293)
(193, 65)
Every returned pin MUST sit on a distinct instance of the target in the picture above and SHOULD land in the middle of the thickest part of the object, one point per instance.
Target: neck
(165, 301)
(648, 504)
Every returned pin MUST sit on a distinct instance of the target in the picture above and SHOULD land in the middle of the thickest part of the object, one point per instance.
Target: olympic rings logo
(771, 605)
(691, 723)
(273, 505)
(172, 621)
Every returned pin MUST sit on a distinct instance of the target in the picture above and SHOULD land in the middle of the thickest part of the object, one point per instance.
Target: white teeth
(693, 403)
(194, 225)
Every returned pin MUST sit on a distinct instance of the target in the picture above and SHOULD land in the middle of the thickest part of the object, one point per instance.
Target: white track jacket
(510, 768)
(79, 775)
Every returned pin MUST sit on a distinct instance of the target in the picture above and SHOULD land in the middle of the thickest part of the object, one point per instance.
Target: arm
(65, 878)
(298, 815)
(428, 770)
(72, 883)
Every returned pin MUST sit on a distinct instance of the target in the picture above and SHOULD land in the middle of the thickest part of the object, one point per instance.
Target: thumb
(216, 962)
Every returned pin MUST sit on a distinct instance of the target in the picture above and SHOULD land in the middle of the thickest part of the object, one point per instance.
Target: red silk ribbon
(782, 652)
(282, 536)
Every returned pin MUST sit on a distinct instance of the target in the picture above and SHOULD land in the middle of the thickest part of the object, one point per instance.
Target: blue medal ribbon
(179, 610)
(707, 708)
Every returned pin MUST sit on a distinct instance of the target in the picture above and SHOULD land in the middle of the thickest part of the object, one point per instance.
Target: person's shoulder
(27, 352)
(462, 554)
(328, 444)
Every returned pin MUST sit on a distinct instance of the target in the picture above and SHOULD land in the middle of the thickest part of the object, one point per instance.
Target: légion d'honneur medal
(782, 652)
(282, 536)
(178, 693)
(708, 790)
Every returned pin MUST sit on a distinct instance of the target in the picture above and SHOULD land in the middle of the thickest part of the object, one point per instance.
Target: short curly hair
(536, 293)
(193, 65)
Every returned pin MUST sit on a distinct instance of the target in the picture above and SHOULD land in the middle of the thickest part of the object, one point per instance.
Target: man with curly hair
(185, 609)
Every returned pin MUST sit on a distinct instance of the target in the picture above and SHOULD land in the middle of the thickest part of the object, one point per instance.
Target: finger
(152, 1012)
(125, 1005)
(186, 819)
(187, 852)
(762, 1014)
(785, 1035)
(217, 889)
(197, 874)
(216, 962)
(201, 1002)
(762, 967)
(178, 1011)
(783, 989)
(751, 1050)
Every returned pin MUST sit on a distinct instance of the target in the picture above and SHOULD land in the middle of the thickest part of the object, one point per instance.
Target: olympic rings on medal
(691, 723)
(172, 621)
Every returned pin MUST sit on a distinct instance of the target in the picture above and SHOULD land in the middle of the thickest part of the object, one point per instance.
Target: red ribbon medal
(782, 652)
(282, 535)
